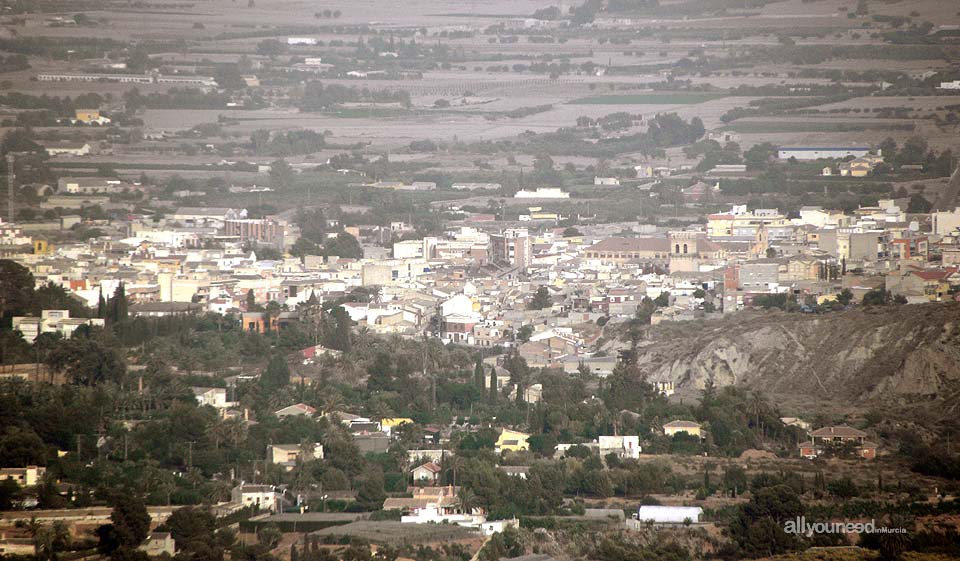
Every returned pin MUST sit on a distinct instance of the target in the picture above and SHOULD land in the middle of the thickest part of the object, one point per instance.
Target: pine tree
(251, 300)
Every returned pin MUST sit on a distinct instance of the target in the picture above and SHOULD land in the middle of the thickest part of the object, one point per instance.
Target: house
(838, 440)
(159, 543)
(214, 397)
(287, 455)
(669, 514)
(428, 473)
(377, 442)
(516, 471)
(263, 497)
(90, 117)
(436, 505)
(90, 186)
(622, 446)
(296, 410)
(676, 427)
(25, 476)
(513, 441)
(435, 455)
(52, 321)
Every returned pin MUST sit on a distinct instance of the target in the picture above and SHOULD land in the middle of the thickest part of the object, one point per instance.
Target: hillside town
(510, 280)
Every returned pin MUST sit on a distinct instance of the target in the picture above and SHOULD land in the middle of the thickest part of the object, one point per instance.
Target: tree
(918, 204)
(281, 174)
(276, 375)
(845, 296)
(478, 374)
(271, 48)
(371, 493)
(524, 333)
(16, 290)
(541, 299)
(117, 306)
(493, 385)
(341, 334)
(130, 524)
(543, 163)
(876, 297)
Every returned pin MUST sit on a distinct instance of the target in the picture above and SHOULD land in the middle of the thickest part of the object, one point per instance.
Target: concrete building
(513, 246)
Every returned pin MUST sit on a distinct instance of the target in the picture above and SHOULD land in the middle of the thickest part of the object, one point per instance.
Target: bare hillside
(896, 355)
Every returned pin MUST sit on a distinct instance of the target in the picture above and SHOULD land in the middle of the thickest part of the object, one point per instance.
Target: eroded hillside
(897, 355)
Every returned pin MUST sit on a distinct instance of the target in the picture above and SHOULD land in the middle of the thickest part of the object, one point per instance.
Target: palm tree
(452, 464)
(468, 500)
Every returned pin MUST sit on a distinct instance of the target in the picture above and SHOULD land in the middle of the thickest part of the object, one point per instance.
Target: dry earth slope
(894, 355)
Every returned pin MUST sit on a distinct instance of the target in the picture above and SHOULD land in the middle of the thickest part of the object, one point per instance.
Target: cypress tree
(493, 385)
(478, 374)
(101, 305)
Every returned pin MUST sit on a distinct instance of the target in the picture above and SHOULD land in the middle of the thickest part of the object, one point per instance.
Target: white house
(264, 497)
(52, 321)
(214, 397)
(622, 446)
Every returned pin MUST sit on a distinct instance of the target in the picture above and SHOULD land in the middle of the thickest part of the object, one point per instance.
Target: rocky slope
(896, 355)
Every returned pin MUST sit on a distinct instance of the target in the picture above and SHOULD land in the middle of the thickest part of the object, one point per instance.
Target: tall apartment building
(512, 246)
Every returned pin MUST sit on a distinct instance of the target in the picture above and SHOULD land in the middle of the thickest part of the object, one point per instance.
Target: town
(472, 281)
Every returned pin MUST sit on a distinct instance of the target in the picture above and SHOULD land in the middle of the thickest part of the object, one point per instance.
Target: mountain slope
(899, 355)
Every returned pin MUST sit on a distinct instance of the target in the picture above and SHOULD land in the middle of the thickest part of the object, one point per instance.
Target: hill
(894, 356)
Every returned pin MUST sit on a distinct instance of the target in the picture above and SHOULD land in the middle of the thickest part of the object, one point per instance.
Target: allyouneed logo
(800, 526)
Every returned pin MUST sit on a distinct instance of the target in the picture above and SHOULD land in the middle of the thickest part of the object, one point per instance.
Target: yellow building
(88, 115)
(42, 247)
(513, 441)
(676, 427)
(391, 423)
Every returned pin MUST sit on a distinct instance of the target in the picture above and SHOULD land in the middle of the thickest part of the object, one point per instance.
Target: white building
(606, 181)
(954, 85)
(669, 514)
(264, 497)
(297, 41)
(542, 193)
(52, 321)
(214, 397)
(622, 446)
